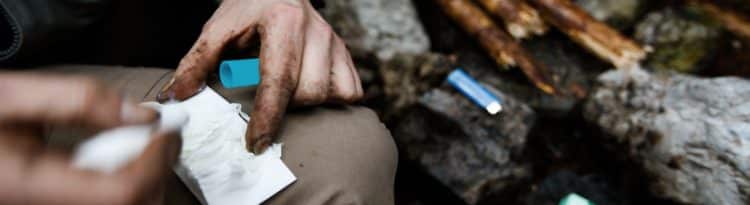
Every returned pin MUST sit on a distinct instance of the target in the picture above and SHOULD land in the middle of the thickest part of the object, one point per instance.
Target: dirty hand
(32, 173)
(303, 62)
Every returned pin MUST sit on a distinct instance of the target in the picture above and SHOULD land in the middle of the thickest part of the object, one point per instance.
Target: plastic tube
(474, 91)
(240, 73)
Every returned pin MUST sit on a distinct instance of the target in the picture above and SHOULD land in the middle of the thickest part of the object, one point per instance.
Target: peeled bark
(521, 20)
(592, 34)
(501, 47)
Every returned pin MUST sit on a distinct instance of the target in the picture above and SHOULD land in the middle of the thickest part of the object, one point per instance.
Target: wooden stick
(501, 47)
(521, 20)
(731, 20)
(592, 34)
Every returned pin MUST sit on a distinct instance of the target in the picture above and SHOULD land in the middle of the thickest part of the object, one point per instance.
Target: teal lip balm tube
(475, 91)
(239, 73)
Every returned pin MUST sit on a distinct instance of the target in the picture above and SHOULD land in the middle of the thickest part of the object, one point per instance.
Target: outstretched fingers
(281, 56)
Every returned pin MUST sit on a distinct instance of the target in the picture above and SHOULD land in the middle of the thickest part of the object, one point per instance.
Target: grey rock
(617, 13)
(377, 27)
(465, 148)
(690, 134)
(680, 39)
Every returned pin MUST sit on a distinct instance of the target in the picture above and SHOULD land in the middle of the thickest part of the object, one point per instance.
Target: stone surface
(462, 146)
(690, 135)
(681, 40)
(382, 28)
(620, 14)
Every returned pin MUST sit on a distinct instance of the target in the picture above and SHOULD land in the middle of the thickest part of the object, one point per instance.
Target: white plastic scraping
(213, 162)
(108, 151)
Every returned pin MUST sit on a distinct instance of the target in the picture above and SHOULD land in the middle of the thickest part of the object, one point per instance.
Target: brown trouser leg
(340, 155)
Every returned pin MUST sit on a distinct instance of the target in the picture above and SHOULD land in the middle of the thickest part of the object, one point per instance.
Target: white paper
(214, 163)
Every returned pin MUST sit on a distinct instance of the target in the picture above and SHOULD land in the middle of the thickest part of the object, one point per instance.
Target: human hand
(32, 173)
(303, 62)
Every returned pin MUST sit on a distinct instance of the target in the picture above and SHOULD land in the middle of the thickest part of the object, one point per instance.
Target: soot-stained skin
(303, 62)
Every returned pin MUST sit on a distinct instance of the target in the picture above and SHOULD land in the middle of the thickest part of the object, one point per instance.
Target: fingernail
(165, 96)
(131, 113)
(165, 93)
(261, 144)
(250, 139)
(250, 146)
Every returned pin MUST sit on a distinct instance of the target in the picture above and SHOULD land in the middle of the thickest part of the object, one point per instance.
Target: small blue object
(240, 73)
(474, 91)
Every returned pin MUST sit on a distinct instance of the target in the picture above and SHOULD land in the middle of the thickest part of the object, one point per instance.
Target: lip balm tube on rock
(475, 91)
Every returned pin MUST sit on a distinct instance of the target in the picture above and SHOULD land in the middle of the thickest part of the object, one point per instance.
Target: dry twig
(501, 47)
(592, 34)
(729, 19)
(521, 20)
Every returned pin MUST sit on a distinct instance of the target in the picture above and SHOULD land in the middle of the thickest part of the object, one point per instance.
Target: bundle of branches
(523, 18)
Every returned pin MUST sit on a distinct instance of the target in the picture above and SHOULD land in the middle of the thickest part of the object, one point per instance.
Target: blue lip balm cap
(475, 91)
(239, 73)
